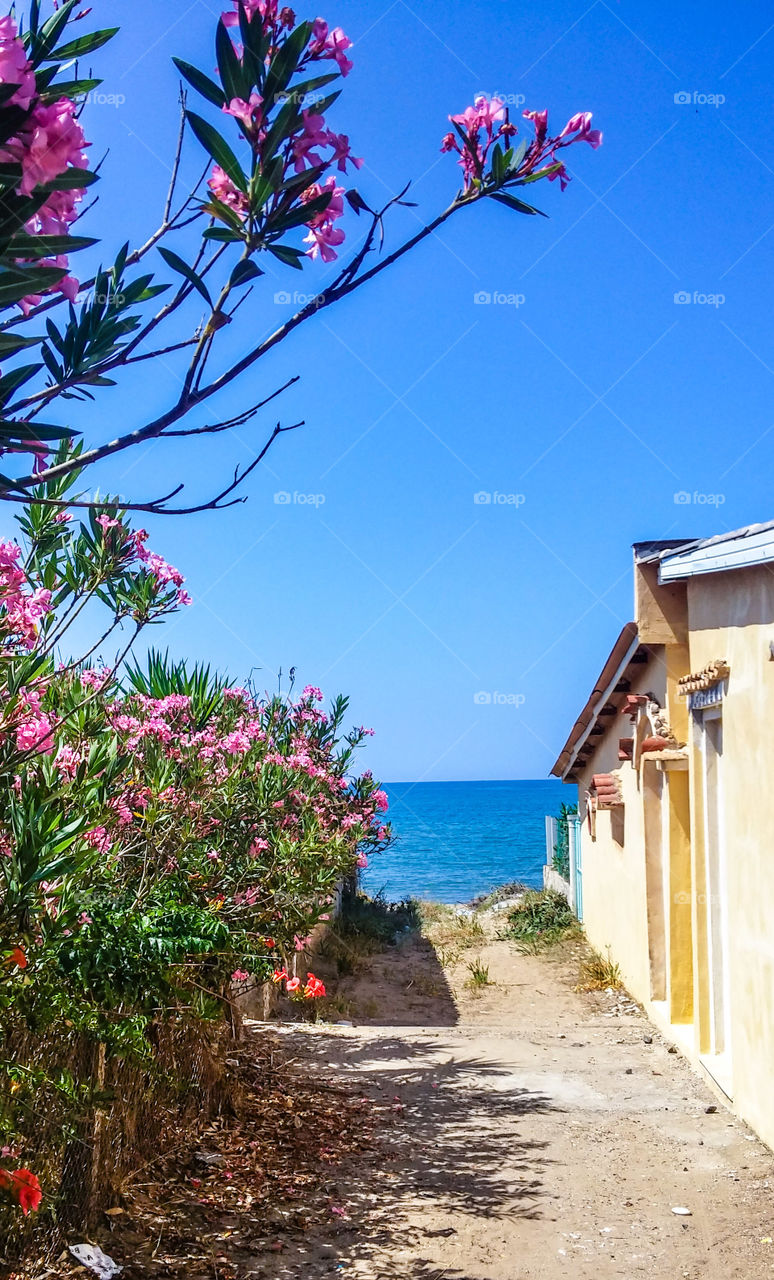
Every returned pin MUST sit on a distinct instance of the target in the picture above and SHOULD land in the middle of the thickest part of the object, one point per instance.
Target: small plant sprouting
(479, 976)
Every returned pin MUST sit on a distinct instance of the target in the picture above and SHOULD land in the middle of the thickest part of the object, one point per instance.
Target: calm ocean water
(455, 840)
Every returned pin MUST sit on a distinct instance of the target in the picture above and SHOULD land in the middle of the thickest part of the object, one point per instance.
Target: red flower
(24, 1187)
(314, 987)
(279, 975)
(270, 943)
(18, 957)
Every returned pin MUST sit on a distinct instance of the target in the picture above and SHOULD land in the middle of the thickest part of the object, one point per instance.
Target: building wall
(646, 892)
(615, 887)
(731, 616)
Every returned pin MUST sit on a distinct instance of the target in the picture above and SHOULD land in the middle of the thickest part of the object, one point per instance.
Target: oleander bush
(167, 837)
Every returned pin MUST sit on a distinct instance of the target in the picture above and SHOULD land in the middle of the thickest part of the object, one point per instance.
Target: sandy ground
(530, 1130)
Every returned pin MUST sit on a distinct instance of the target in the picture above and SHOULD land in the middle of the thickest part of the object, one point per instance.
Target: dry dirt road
(534, 1132)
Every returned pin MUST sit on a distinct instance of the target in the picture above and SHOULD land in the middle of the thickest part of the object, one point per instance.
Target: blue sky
(592, 394)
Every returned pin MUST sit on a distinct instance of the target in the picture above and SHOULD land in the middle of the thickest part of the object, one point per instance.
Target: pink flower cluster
(22, 608)
(313, 145)
(14, 67)
(49, 142)
(34, 731)
(487, 121)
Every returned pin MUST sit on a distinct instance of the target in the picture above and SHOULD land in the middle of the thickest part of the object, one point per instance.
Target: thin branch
(176, 161)
(193, 397)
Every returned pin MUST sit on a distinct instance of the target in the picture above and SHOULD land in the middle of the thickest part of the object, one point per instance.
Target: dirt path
(529, 1131)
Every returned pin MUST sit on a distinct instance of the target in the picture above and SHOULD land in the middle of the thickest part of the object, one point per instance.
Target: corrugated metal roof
(740, 549)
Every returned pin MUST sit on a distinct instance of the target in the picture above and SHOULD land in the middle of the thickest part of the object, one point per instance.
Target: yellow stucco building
(674, 864)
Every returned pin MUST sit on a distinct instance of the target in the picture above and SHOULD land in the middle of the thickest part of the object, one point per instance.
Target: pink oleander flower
(224, 190)
(34, 734)
(381, 800)
(580, 125)
(49, 143)
(105, 523)
(342, 152)
(484, 114)
(540, 121)
(330, 44)
(266, 8)
(362, 862)
(14, 67)
(248, 113)
(240, 975)
(67, 761)
(94, 678)
(487, 121)
(62, 517)
(156, 565)
(99, 839)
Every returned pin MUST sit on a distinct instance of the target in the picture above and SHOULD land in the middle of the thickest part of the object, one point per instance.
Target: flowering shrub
(165, 836)
(277, 188)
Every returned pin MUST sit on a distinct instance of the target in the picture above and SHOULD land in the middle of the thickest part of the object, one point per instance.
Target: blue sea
(455, 840)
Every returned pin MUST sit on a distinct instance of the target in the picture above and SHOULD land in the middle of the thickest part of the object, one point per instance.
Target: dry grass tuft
(598, 973)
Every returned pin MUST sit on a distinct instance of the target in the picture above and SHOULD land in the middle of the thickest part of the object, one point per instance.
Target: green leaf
(305, 213)
(223, 234)
(300, 91)
(82, 46)
(217, 209)
(10, 430)
(231, 75)
(540, 173)
(512, 203)
(517, 156)
(285, 61)
(287, 254)
(218, 148)
(201, 83)
(177, 264)
(72, 88)
(16, 378)
(244, 271)
(44, 41)
(498, 164)
(71, 180)
(19, 283)
(10, 343)
(26, 246)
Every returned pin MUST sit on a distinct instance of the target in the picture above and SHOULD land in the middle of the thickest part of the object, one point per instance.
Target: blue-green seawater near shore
(456, 840)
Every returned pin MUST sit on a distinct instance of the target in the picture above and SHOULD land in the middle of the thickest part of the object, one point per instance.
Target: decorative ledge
(712, 674)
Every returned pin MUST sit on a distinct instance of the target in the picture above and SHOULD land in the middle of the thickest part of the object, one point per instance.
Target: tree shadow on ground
(450, 1152)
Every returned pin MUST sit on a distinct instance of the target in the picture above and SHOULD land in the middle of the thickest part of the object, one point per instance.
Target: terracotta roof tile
(605, 788)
